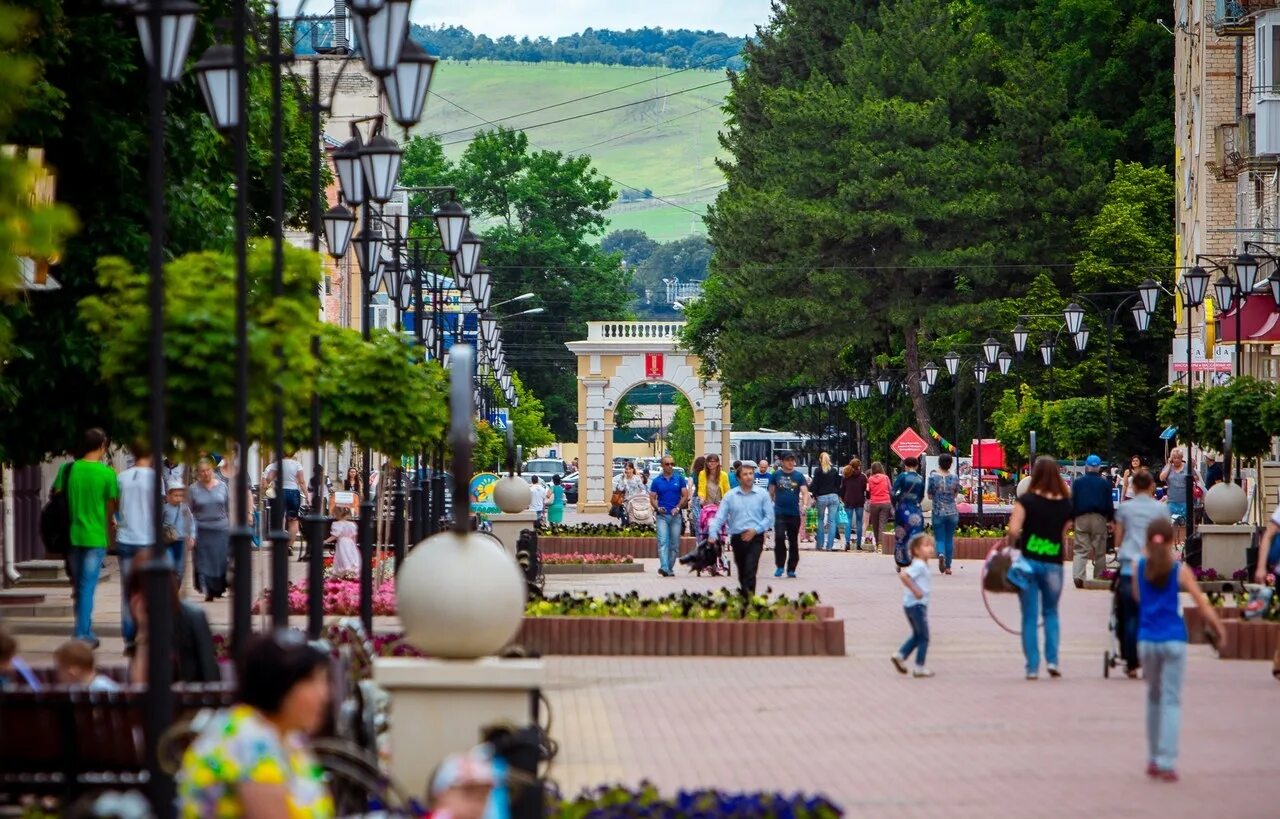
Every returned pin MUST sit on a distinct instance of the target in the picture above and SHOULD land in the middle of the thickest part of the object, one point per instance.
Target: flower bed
(341, 596)
(553, 559)
(966, 548)
(589, 564)
(598, 530)
(635, 547)
(621, 802)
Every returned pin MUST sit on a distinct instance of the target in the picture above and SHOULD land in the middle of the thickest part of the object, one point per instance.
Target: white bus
(766, 445)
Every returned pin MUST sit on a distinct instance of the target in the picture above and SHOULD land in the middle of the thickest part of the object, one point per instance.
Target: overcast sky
(555, 18)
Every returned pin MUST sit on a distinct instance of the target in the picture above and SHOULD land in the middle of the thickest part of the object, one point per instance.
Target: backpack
(55, 517)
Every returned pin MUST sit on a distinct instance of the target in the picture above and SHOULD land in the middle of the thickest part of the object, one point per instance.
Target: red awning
(987, 454)
(1259, 321)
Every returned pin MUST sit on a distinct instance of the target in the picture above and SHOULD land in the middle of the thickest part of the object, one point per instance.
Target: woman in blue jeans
(942, 491)
(1038, 527)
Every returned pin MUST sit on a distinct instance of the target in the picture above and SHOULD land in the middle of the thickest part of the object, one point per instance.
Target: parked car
(544, 468)
(570, 484)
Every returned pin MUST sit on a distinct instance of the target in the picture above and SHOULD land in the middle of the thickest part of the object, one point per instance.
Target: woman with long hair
(713, 483)
(1038, 527)
(630, 485)
(879, 503)
(853, 494)
(908, 517)
(695, 504)
(826, 493)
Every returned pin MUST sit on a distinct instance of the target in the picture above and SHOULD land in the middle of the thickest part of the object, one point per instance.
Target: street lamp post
(1194, 284)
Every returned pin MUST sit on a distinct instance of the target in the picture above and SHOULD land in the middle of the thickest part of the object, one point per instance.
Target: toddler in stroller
(707, 556)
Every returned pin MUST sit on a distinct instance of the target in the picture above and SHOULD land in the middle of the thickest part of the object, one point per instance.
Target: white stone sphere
(460, 596)
(511, 494)
(1024, 485)
(1225, 503)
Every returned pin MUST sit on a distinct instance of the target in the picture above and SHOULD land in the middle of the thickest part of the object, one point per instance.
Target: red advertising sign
(653, 365)
(909, 444)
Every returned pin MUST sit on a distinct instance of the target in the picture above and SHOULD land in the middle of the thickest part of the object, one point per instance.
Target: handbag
(616, 498)
(995, 572)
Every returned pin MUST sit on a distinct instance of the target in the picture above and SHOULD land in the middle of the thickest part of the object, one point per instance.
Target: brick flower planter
(1250, 639)
(967, 548)
(637, 547)
(823, 637)
(1195, 622)
(592, 568)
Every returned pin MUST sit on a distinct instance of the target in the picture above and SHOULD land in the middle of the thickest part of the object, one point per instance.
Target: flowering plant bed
(722, 604)
(621, 802)
(341, 596)
(553, 559)
(598, 530)
(635, 547)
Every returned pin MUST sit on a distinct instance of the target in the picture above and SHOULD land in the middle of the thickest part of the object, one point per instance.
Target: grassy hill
(668, 146)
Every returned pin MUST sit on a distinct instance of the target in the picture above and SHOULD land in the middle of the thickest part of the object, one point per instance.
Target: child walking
(1162, 643)
(915, 602)
(342, 533)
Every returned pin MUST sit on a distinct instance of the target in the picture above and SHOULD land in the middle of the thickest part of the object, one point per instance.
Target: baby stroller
(707, 556)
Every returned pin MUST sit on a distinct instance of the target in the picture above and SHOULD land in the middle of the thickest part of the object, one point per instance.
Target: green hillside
(668, 146)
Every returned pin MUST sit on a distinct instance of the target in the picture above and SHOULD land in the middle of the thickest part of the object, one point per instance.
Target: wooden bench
(65, 741)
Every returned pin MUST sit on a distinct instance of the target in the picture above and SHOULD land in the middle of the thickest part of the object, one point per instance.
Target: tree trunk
(914, 373)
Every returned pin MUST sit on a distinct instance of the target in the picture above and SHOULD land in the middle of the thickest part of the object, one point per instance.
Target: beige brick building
(1227, 172)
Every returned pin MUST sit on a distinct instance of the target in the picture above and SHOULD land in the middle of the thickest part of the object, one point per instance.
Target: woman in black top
(825, 486)
(1038, 526)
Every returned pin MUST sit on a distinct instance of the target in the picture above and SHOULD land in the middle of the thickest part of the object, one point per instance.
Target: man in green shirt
(92, 492)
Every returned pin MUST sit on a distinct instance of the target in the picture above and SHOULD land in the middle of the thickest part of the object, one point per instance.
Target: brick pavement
(975, 741)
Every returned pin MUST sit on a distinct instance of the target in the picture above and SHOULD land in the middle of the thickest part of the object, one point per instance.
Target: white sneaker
(921, 671)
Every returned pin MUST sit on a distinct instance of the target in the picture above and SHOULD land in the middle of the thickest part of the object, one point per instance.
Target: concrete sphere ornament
(460, 596)
(1225, 503)
(511, 494)
(1024, 485)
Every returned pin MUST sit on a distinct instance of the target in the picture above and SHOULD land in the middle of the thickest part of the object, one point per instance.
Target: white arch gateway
(619, 355)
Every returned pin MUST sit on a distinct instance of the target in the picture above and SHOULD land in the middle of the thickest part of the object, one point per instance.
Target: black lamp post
(165, 28)
(1194, 284)
(980, 378)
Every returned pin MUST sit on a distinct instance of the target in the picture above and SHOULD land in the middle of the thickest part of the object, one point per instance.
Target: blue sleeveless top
(1159, 612)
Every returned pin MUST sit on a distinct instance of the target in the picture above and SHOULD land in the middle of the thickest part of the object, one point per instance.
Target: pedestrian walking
(209, 501)
(826, 492)
(630, 485)
(853, 494)
(789, 491)
(136, 529)
(1126, 491)
(92, 498)
(1162, 643)
(1132, 521)
(555, 512)
(747, 512)
(879, 503)
(762, 475)
(942, 489)
(915, 604)
(1094, 511)
(733, 474)
(1038, 527)
(908, 517)
(292, 484)
(1179, 480)
(713, 483)
(538, 501)
(668, 495)
(179, 529)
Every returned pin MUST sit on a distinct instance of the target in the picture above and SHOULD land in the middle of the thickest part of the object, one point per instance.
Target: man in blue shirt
(1094, 510)
(789, 491)
(668, 493)
(748, 514)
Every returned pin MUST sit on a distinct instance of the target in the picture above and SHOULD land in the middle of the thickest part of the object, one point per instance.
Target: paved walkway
(975, 741)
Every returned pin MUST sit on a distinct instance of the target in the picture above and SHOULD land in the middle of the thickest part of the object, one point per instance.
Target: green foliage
(490, 450)
(1076, 427)
(88, 110)
(539, 213)
(634, 245)
(680, 432)
(723, 604)
(199, 342)
(1016, 415)
(1250, 404)
(531, 430)
(379, 393)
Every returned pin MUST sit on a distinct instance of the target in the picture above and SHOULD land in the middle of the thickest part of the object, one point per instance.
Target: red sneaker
(1152, 770)
(1167, 776)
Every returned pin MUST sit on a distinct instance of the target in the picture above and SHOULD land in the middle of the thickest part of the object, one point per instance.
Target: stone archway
(619, 355)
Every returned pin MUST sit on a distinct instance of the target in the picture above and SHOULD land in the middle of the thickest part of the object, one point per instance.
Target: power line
(642, 130)
(593, 96)
(590, 113)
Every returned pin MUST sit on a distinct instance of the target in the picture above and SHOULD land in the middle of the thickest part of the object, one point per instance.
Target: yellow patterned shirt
(240, 746)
